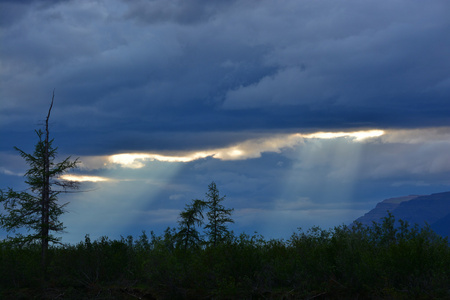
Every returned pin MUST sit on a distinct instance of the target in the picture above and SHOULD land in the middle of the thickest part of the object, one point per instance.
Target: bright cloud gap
(358, 135)
(83, 178)
(245, 150)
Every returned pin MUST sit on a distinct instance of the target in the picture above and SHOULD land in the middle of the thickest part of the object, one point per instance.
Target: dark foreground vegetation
(381, 261)
(378, 262)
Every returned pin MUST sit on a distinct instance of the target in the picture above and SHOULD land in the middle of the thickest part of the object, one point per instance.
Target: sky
(305, 113)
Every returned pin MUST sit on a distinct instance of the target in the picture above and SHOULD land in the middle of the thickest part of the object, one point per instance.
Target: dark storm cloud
(12, 11)
(235, 80)
(178, 11)
(188, 72)
(350, 60)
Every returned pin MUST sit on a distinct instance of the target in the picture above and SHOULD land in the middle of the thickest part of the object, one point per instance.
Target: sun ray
(252, 148)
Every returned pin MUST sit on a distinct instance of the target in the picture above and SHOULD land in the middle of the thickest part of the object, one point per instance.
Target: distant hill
(432, 209)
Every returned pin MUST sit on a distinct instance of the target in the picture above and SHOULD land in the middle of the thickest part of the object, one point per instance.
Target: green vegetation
(346, 262)
(38, 212)
(192, 216)
(381, 261)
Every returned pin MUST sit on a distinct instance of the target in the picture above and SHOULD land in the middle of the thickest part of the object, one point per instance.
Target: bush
(382, 261)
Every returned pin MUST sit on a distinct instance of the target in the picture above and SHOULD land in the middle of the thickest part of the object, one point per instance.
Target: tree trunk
(188, 231)
(215, 229)
(45, 221)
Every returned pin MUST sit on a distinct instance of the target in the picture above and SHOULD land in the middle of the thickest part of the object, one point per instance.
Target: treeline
(201, 258)
(382, 261)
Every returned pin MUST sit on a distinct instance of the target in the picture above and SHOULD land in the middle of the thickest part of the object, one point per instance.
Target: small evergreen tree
(38, 210)
(191, 217)
(218, 215)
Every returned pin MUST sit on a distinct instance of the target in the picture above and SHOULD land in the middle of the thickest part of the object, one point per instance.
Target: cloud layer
(158, 98)
(142, 70)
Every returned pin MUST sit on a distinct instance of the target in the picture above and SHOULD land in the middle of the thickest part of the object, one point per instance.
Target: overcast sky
(303, 112)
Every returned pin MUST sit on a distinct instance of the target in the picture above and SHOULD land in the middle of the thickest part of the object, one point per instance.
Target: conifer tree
(37, 209)
(218, 215)
(191, 217)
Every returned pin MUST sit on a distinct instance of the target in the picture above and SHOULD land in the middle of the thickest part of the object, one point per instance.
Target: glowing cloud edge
(84, 178)
(245, 150)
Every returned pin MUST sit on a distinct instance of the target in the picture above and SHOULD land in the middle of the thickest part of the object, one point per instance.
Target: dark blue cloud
(258, 72)
(180, 12)
(175, 76)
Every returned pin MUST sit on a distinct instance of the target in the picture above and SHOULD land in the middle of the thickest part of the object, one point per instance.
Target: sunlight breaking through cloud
(83, 178)
(136, 160)
(358, 135)
(252, 148)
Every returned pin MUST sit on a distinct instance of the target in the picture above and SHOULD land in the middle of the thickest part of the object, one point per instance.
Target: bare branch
(49, 110)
